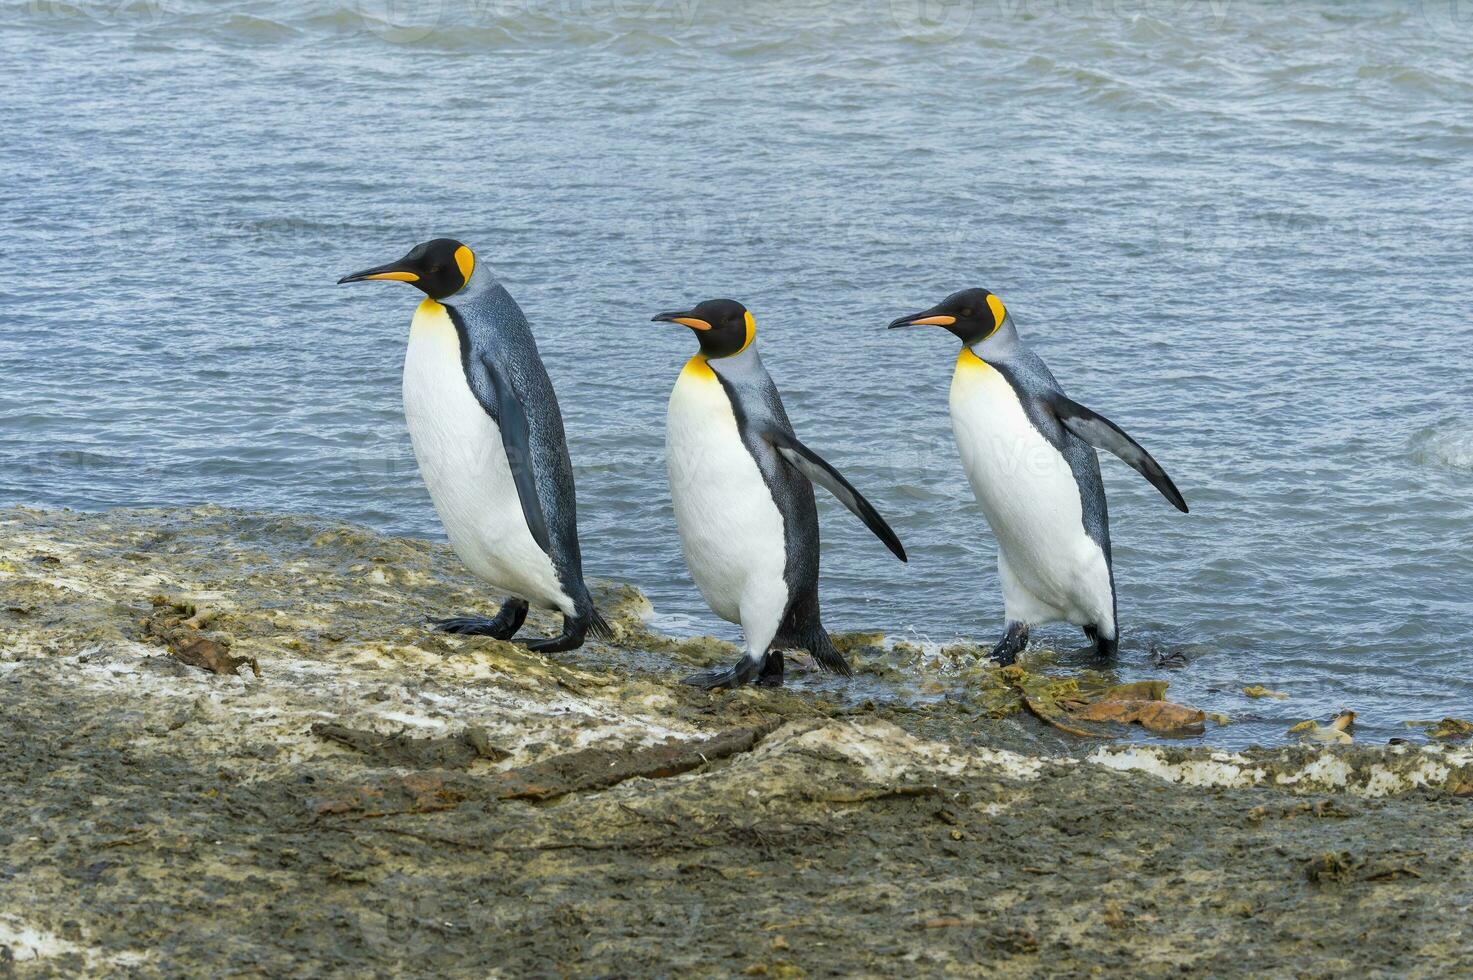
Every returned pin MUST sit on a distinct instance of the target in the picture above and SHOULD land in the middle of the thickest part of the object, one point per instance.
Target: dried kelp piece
(1050, 698)
(1345, 867)
(177, 625)
(1138, 691)
(212, 655)
(601, 768)
(448, 752)
(416, 792)
(1078, 710)
(1160, 717)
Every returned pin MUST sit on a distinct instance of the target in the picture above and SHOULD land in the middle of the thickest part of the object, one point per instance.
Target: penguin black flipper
(818, 470)
(1101, 433)
(516, 439)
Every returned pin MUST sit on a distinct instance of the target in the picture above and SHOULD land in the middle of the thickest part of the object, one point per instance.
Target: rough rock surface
(382, 800)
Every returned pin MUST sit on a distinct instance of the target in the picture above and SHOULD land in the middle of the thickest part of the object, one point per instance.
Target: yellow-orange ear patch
(999, 312)
(751, 330)
(466, 259)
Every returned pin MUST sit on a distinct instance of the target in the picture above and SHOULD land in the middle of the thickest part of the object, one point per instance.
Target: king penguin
(489, 440)
(1029, 453)
(741, 483)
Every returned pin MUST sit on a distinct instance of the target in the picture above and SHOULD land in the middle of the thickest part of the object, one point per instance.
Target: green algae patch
(1050, 699)
(1086, 706)
(1447, 730)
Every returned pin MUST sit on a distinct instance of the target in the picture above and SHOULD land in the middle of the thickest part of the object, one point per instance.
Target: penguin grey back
(758, 408)
(492, 326)
(1036, 386)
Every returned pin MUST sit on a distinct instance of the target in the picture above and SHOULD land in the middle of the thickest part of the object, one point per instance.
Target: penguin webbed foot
(575, 630)
(502, 626)
(1013, 642)
(561, 643)
(739, 673)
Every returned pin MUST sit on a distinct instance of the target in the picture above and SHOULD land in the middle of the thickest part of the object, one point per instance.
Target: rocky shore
(231, 747)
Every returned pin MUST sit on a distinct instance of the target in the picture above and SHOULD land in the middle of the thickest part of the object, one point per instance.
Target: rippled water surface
(1240, 230)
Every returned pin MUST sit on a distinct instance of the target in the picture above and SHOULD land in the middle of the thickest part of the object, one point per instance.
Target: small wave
(1097, 87)
(1451, 447)
(1412, 79)
(256, 30)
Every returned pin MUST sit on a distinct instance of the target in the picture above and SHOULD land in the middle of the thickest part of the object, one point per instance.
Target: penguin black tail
(599, 626)
(827, 655)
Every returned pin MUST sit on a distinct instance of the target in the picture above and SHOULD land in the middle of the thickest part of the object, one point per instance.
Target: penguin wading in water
(489, 440)
(1029, 453)
(741, 483)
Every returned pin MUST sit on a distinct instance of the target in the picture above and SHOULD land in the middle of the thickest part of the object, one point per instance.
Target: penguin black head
(723, 326)
(440, 267)
(972, 314)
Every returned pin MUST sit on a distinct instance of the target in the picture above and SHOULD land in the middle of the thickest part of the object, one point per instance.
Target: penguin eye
(967, 312)
(435, 270)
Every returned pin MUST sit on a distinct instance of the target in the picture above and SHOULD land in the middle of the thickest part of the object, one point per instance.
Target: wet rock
(1166, 659)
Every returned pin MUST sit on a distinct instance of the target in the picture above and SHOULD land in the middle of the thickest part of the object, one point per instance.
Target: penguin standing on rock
(1029, 453)
(741, 483)
(489, 440)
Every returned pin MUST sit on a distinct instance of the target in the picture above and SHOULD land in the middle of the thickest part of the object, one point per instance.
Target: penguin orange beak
(393, 271)
(926, 318)
(685, 319)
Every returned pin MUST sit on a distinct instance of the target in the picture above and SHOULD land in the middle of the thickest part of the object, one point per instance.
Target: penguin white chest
(730, 527)
(461, 457)
(1051, 569)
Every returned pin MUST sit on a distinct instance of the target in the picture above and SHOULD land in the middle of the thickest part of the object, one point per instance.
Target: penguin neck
(1000, 345)
(482, 281)
(742, 364)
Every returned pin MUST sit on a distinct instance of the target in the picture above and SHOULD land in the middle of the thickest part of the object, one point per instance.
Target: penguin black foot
(739, 673)
(1104, 649)
(1012, 643)
(772, 671)
(503, 626)
(575, 630)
